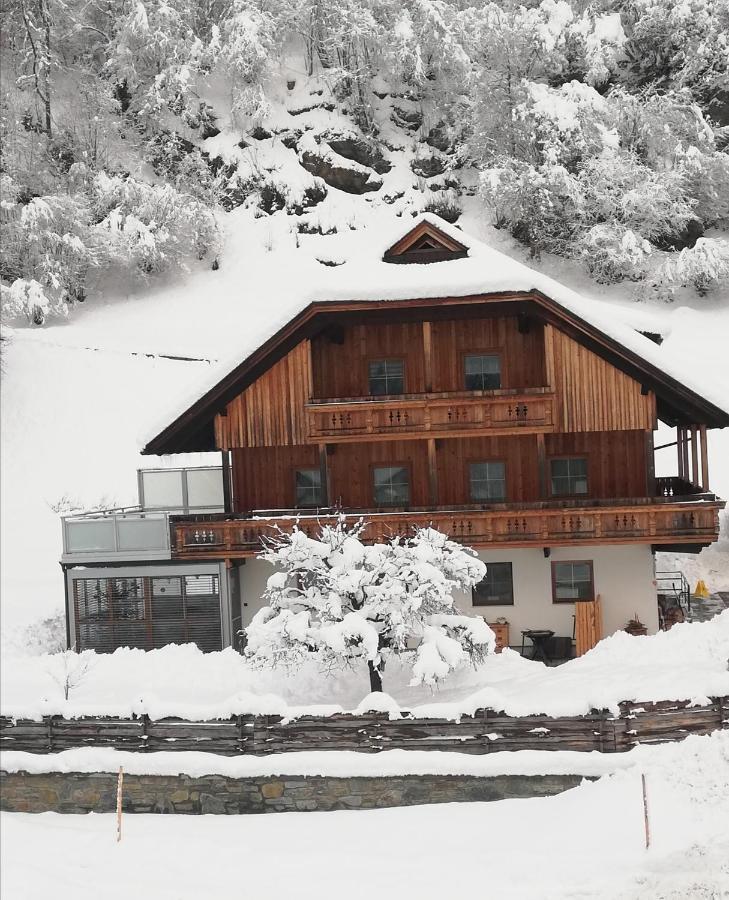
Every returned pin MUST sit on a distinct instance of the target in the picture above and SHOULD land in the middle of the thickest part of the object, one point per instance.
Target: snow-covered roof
(368, 276)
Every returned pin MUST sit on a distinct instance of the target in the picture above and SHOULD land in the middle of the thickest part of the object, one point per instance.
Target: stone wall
(81, 793)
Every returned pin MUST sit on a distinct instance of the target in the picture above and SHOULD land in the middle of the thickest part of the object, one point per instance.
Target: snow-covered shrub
(704, 267)
(155, 226)
(345, 601)
(540, 205)
(247, 53)
(47, 250)
(612, 253)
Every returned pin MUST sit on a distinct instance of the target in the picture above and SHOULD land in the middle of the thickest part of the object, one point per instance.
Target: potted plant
(635, 626)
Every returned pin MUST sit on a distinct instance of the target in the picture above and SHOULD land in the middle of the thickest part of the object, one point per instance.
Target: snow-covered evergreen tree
(345, 601)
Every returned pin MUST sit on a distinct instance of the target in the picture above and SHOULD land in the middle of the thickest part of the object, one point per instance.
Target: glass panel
(569, 476)
(162, 490)
(573, 581)
(205, 487)
(488, 481)
(92, 599)
(128, 598)
(91, 535)
(391, 486)
(386, 376)
(308, 488)
(167, 599)
(482, 372)
(136, 533)
(497, 587)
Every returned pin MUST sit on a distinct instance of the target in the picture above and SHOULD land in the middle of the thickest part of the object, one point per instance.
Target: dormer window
(426, 243)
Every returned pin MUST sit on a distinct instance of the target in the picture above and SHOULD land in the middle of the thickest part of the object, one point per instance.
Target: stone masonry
(96, 792)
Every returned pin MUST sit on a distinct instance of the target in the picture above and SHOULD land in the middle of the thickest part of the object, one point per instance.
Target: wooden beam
(549, 356)
(542, 466)
(324, 474)
(694, 456)
(704, 458)
(227, 492)
(686, 474)
(679, 450)
(428, 356)
(432, 473)
(650, 468)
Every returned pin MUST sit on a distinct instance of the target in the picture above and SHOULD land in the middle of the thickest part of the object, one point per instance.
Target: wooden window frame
(300, 468)
(391, 465)
(573, 562)
(480, 351)
(479, 460)
(556, 456)
(373, 359)
(491, 605)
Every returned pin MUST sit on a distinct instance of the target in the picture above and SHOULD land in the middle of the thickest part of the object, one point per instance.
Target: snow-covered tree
(345, 601)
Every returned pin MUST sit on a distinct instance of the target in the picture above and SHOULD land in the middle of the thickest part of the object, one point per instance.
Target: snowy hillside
(227, 160)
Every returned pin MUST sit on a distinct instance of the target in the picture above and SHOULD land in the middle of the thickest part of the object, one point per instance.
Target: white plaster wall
(624, 577)
(253, 577)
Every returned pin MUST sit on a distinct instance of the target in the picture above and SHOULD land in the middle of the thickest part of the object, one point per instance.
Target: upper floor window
(487, 481)
(572, 581)
(568, 476)
(497, 588)
(309, 491)
(482, 372)
(391, 485)
(386, 376)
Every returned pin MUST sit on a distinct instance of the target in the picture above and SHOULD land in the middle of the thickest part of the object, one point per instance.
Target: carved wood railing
(644, 522)
(434, 415)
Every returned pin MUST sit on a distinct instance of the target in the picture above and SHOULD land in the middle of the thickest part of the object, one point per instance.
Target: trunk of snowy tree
(375, 675)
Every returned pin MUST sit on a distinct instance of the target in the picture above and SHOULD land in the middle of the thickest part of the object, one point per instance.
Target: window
(147, 612)
(487, 481)
(386, 376)
(391, 486)
(482, 372)
(569, 476)
(309, 488)
(572, 581)
(497, 588)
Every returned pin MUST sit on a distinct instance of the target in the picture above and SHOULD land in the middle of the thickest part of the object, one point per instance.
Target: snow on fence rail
(483, 732)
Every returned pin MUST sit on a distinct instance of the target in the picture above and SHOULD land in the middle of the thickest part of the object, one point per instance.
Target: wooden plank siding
(522, 355)
(340, 361)
(263, 477)
(592, 395)
(270, 412)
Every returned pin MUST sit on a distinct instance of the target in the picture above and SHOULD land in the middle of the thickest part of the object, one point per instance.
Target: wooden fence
(485, 731)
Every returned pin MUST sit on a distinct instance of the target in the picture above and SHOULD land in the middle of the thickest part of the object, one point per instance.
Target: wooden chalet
(506, 418)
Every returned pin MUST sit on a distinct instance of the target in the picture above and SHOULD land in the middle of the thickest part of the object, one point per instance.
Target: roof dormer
(425, 243)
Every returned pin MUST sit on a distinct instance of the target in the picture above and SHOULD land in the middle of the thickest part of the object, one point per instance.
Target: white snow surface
(689, 662)
(586, 843)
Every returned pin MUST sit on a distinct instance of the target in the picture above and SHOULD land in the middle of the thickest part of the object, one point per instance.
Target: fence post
(119, 784)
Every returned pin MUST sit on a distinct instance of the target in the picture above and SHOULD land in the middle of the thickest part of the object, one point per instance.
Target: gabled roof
(372, 287)
(426, 243)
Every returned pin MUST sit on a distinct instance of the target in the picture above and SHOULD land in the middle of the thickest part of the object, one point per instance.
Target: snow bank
(687, 663)
(587, 842)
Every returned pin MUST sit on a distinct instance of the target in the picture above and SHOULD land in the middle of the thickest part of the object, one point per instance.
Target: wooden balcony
(434, 415)
(658, 521)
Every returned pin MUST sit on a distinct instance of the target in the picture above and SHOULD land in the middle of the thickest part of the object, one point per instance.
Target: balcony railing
(653, 521)
(437, 415)
(120, 534)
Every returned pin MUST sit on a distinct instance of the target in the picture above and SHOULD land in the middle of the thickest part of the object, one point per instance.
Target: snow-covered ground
(688, 662)
(585, 844)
